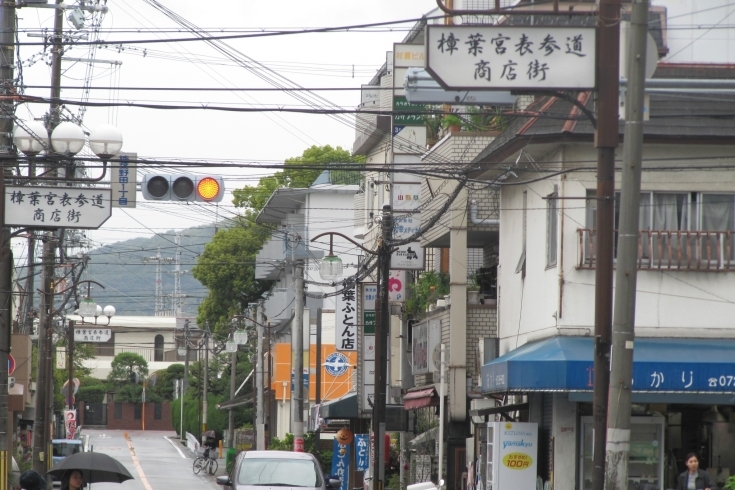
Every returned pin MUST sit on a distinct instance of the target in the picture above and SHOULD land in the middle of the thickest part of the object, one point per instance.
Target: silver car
(276, 469)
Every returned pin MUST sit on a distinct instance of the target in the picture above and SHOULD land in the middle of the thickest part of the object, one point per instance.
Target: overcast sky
(344, 59)
(311, 60)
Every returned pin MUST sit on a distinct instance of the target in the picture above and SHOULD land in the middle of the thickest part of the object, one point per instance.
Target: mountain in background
(130, 284)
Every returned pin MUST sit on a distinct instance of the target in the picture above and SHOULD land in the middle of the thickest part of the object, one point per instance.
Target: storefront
(683, 401)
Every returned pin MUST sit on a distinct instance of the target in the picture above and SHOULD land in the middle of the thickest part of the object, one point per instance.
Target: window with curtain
(718, 214)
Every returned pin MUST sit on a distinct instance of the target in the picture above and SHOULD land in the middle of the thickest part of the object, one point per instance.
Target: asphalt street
(156, 460)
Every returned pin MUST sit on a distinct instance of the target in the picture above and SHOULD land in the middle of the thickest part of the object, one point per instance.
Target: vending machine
(512, 450)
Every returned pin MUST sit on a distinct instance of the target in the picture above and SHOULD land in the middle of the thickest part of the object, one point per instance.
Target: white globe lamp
(32, 139)
(330, 268)
(105, 141)
(67, 138)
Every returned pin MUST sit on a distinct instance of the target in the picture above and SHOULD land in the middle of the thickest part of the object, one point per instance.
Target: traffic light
(183, 187)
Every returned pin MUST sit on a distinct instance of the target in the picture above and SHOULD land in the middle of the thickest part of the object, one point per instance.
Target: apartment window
(552, 231)
(158, 348)
(674, 225)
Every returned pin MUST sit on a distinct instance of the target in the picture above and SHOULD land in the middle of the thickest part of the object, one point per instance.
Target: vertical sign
(515, 451)
(369, 293)
(70, 421)
(409, 130)
(407, 222)
(341, 463)
(362, 454)
(122, 181)
(346, 320)
(397, 286)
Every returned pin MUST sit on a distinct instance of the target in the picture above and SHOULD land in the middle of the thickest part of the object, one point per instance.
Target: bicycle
(208, 463)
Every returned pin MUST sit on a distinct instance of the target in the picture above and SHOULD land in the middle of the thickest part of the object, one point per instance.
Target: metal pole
(231, 412)
(206, 381)
(618, 420)
(185, 381)
(297, 329)
(441, 416)
(382, 330)
(6, 269)
(606, 140)
(259, 381)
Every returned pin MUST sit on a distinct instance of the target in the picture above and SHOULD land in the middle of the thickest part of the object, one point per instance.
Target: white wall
(707, 23)
(669, 304)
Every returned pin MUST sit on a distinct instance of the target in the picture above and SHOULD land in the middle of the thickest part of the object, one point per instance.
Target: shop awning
(343, 408)
(420, 398)
(689, 366)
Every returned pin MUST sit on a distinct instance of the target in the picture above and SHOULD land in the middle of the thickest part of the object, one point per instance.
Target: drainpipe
(485, 221)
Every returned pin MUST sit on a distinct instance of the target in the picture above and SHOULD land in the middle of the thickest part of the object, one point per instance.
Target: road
(156, 460)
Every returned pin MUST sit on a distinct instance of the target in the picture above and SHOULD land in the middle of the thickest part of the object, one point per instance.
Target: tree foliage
(227, 266)
(126, 363)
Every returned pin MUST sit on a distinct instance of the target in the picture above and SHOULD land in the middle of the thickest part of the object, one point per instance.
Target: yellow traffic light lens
(208, 188)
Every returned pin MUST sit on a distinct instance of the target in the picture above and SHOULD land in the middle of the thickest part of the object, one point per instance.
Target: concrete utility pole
(297, 342)
(382, 330)
(231, 413)
(206, 381)
(606, 140)
(185, 381)
(618, 418)
(259, 381)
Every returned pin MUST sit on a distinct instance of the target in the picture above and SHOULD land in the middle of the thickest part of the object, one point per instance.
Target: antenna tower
(159, 261)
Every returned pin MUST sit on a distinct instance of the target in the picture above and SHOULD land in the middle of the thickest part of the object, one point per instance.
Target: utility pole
(606, 140)
(70, 360)
(618, 419)
(41, 423)
(185, 381)
(382, 330)
(206, 380)
(297, 341)
(233, 389)
(259, 381)
(7, 78)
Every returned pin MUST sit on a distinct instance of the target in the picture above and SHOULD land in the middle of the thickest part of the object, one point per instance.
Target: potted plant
(452, 123)
(473, 290)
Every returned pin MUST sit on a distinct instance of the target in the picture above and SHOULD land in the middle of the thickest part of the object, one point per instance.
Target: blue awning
(565, 364)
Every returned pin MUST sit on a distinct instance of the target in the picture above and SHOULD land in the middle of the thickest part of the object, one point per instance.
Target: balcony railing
(670, 250)
(148, 353)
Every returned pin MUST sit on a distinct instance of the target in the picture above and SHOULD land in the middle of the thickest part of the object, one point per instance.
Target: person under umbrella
(31, 480)
(94, 468)
(72, 480)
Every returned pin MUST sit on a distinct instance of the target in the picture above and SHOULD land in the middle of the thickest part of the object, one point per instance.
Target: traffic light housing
(183, 187)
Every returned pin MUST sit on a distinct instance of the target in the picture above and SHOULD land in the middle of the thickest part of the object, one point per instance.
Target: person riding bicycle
(209, 444)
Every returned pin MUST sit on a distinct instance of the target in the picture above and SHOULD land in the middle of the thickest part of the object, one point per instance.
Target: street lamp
(382, 328)
(330, 268)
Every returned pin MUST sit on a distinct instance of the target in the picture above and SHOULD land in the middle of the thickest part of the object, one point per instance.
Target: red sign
(11, 364)
(298, 444)
(70, 420)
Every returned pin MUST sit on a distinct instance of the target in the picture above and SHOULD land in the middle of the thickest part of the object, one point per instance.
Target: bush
(92, 394)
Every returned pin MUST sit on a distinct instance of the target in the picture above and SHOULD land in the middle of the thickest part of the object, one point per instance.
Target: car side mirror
(224, 480)
(335, 483)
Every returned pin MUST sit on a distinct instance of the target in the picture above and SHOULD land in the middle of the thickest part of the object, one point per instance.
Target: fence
(670, 250)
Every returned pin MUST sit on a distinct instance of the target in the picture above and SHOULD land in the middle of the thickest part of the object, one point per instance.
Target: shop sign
(123, 175)
(511, 58)
(515, 449)
(57, 207)
(346, 320)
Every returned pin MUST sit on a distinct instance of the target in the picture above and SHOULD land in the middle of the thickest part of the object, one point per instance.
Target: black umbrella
(95, 468)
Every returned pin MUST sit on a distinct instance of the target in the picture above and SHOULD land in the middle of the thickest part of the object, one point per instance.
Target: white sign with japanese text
(409, 256)
(57, 207)
(405, 56)
(346, 320)
(502, 57)
(397, 286)
(122, 181)
(92, 334)
(406, 197)
(369, 294)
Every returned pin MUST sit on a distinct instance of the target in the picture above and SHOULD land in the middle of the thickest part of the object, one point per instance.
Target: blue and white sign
(341, 463)
(362, 452)
(336, 364)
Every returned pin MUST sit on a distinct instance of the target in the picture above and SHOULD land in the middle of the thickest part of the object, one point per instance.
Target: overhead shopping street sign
(511, 58)
(57, 207)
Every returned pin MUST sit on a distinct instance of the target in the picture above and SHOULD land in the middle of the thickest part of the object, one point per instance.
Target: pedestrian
(31, 480)
(72, 480)
(694, 478)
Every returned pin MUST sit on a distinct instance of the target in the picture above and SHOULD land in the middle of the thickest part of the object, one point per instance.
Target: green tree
(125, 365)
(164, 386)
(227, 266)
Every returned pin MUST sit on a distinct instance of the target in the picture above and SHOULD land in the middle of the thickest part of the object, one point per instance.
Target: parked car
(63, 448)
(284, 469)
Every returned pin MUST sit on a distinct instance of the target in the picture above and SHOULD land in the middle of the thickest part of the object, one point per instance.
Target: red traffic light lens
(208, 188)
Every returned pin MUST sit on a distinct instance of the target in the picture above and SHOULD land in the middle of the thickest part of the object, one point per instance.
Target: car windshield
(64, 449)
(279, 472)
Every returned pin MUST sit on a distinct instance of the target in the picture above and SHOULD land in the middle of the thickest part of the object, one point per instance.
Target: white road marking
(175, 447)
